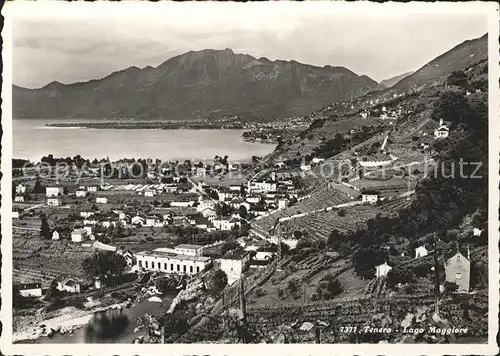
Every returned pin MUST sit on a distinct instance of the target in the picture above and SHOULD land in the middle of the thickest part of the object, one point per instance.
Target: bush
(280, 292)
(259, 292)
(342, 213)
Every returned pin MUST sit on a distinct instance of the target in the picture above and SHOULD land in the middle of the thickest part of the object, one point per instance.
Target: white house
(88, 228)
(421, 251)
(149, 193)
(369, 197)
(209, 213)
(19, 198)
(206, 204)
(477, 231)
(182, 204)
(138, 220)
(382, 270)
(15, 214)
(55, 235)
(226, 224)
(54, 191)
(170, 261)
(68, 285)
(92, 188)
(282, 203)
(442, 131)
(78, 235)
(30, 289)
(53, 201)
(305, 167)
(364, 115)
(20, 189)
(317, 160)
(80, 193)
(86, 213)
(101, 200)
(189, 249)
(234, 263)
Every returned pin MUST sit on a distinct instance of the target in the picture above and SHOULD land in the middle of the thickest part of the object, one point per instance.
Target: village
(297, 242)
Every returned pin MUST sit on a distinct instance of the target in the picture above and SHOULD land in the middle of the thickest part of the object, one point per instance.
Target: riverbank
(64, 320)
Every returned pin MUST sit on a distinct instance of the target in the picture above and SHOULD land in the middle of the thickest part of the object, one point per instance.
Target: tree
(451, 106)
(38, 188)
(52, 292)
(242, 211)
(400, 275)
(215, 281)
(106, 264)
(45, 229)
(229, 245)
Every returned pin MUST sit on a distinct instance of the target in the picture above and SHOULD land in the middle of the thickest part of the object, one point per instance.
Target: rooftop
(189, 246)
(171, 255)
(235, 255)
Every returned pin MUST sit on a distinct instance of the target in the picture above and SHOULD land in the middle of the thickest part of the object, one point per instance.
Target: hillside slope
(459, 57)
(387, 83)
(197, 84)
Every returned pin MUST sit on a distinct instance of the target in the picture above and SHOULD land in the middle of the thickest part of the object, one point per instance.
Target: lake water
(33, 140)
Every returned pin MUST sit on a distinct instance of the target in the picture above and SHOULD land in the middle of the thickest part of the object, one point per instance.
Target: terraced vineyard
(377, 287)
(37, 258)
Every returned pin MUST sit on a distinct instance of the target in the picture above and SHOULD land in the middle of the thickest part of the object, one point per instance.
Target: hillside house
(19, 198)
(422, 251)
(138, 220)
(442, 131)
(206, 204)
(370, 196)
(68, 285)
(78, 235)
(89, 229)
(101, 200)
(226, 224)
(382, 269)
(20, 189)
(234, 263)
(92, 188)
(305, 167)
(457, 270)
(283, 203)
(54, 201)
(55, 235)
(54, 191)
(27, 290)
(149, 193)
(364, 115)
(235, 188)
(15, 214)
(262, 186)
(317, 160)
(86, 213)
(81, 193)
(477, 232)
(209, 213)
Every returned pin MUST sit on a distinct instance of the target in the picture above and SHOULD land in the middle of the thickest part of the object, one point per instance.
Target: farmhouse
(92, 188)
(54, 201)
(68, 285)
(19, 198)
(457, 270)
(234, 263)
(382, 269)
(20, 189)
(442, 131)
(55, 235)
(54, 191)
(171, 261)
(78, 235)
(209, 213)
(80, 193)
(226, 224)
(86, 213)
(370, 196)
(101, 200)
(29, 289)
(149, 193)
(477, 231)
(138, 220)
(205, 204)
(421, 251)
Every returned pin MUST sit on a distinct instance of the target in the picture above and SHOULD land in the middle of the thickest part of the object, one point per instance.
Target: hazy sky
(69, 49)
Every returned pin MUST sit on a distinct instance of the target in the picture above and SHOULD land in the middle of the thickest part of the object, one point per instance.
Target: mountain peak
(54, 85)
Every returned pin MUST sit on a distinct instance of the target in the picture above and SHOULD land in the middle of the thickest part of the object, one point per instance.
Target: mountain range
(387, 83)
(197, 84)
(216, 83)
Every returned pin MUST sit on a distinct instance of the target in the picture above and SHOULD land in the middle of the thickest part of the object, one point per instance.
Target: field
(41, 260)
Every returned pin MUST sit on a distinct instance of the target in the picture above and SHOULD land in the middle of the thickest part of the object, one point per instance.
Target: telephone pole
(436, 273)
